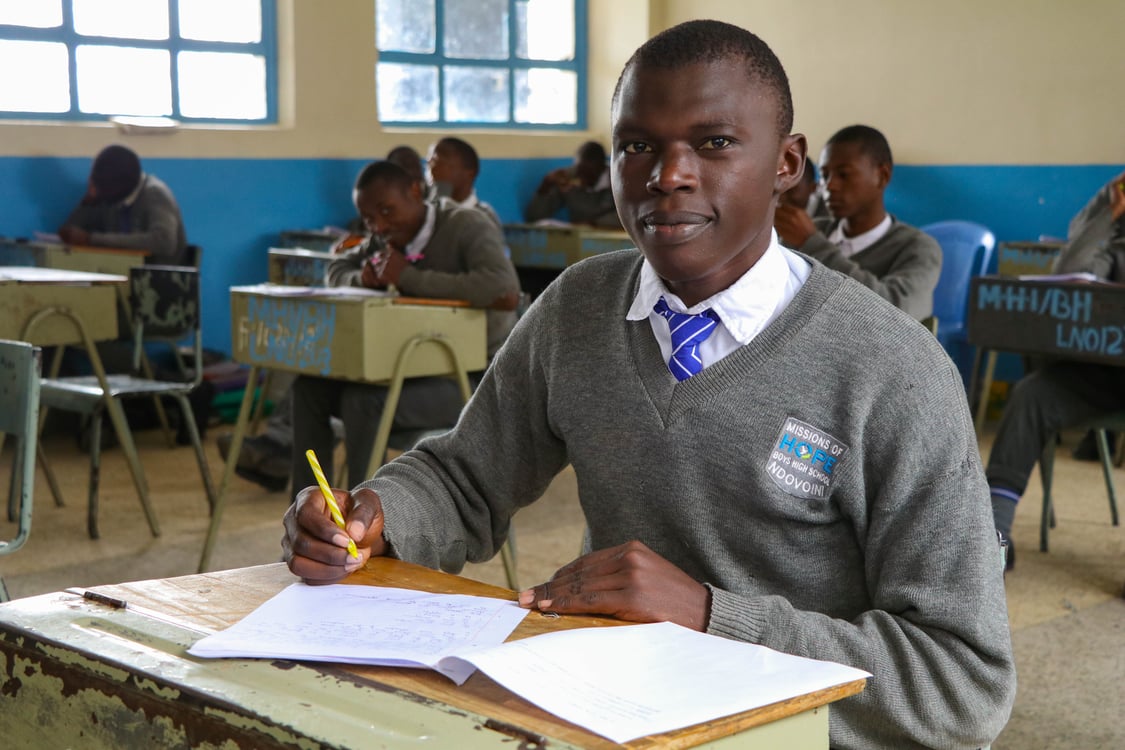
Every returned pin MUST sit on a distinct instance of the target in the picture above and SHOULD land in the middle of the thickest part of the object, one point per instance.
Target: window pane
(44, 86)
(42, 14)
(406, 92)
(222, 84)
(128, 19)
(545, 29)
(476, 29)
(547, 96)
(221, 20)
(476, 94)
(123, 80)
(405, 26)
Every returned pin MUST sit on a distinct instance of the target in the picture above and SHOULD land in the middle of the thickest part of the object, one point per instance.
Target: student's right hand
(316, 549)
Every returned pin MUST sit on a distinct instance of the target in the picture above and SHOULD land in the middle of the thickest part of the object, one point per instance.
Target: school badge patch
(804, 460)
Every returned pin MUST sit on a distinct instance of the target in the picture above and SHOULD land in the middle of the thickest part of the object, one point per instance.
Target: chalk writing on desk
(1064, 319)
(289, 331)
(1060, 303)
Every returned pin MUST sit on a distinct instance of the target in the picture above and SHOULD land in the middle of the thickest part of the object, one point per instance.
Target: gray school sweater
(824, 481)
(903, 267)
(152, 223)
(1095, 243)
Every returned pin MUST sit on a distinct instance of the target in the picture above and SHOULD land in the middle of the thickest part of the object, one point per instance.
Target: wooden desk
(1064, 319)
(86, 675)
(70, 257)
(371, 339)
(297, 266)
(25, 290)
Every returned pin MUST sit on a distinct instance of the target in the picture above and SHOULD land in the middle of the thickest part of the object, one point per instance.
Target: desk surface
(1066, 319)
(144, 668)
(24, 291)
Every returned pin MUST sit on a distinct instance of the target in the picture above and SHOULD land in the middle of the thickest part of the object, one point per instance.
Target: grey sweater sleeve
(346, 269)
(544, 205)
(908, 262)
(157, 227)
(1091, 233)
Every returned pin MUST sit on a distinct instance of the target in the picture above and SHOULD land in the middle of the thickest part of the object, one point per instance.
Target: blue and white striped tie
(688, 332)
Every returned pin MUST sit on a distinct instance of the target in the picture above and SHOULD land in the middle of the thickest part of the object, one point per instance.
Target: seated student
(861, 240)
(806, 478)
(582, 188)
(124, 207)
(452, 168)
(1061, 394)
(429, 249)
(806, 195)
(264, 459)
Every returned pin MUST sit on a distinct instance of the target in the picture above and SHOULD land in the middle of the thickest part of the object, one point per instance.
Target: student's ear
(884, 172)
(790, 162)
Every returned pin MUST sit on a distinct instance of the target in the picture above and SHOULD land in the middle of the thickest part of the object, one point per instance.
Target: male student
(861, 240)
(764, 450)
(582, 189)
(426, 249)
(453, 167)
(127, 208)
(1061, 394)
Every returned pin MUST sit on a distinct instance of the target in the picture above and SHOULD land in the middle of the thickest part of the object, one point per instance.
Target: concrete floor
(1066, 608)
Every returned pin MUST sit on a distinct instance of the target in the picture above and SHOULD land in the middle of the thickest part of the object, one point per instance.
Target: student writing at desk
(582, 189)
(1061, 394)
(764, 450)
(861, 240)
(127, 208)
(425, 249)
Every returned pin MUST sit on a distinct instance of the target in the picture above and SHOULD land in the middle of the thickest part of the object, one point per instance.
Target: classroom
(997, 114)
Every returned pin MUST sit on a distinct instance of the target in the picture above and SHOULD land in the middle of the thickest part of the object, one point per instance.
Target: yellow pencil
(329, 498)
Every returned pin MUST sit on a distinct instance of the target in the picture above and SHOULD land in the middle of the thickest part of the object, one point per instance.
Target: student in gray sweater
(425, 249)
(1062, 394)
(124, 207)
(860, 239)
(764, 450)
(582, 189)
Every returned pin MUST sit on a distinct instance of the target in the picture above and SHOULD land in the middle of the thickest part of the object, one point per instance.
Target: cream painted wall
(951, 82)
(326, 103)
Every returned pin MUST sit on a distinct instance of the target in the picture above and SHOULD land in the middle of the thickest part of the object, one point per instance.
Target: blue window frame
(481, 63)
(212, 61)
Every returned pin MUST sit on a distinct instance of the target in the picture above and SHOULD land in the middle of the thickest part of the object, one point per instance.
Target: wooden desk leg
(228, 469)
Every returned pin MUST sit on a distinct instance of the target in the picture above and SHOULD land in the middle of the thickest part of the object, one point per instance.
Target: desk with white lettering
(79, 673)
(351, 334)
(1065, 319)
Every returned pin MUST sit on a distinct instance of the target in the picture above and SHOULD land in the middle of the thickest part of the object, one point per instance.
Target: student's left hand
(73, 235)
(388, 271)
(793, 225)
(629, 582)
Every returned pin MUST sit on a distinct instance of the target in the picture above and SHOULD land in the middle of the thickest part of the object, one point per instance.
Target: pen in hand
(329, 498)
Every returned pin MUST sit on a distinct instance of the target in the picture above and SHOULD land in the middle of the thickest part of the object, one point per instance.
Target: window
(191, 60)
(492, 63)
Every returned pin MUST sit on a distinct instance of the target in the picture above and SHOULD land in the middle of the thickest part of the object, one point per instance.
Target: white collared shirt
(849, 246)
(744, 308)
(418, 244)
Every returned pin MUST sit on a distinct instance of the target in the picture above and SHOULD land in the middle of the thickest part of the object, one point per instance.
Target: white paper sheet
(636, 680)
(367, 625)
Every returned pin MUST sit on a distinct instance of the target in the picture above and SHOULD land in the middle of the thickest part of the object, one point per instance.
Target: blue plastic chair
(966, 251)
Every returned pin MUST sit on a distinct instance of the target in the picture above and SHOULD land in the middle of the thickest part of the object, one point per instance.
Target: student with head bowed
(764, 450)
(127, 208)
(582, 189)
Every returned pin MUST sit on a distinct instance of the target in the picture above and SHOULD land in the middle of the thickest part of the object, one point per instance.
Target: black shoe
(1087, 448)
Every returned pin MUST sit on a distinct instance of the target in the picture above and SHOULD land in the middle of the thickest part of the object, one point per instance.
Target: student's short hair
(870, 142)
(465, 152)
(407, 158)
(592, 151)
(707, 41)
(386, 172)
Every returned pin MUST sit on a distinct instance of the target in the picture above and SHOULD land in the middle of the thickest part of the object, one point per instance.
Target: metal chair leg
(95, 475)
(1107, 469)
(508, 557)
(1046, 472)
(197, 445)
(49, 473)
